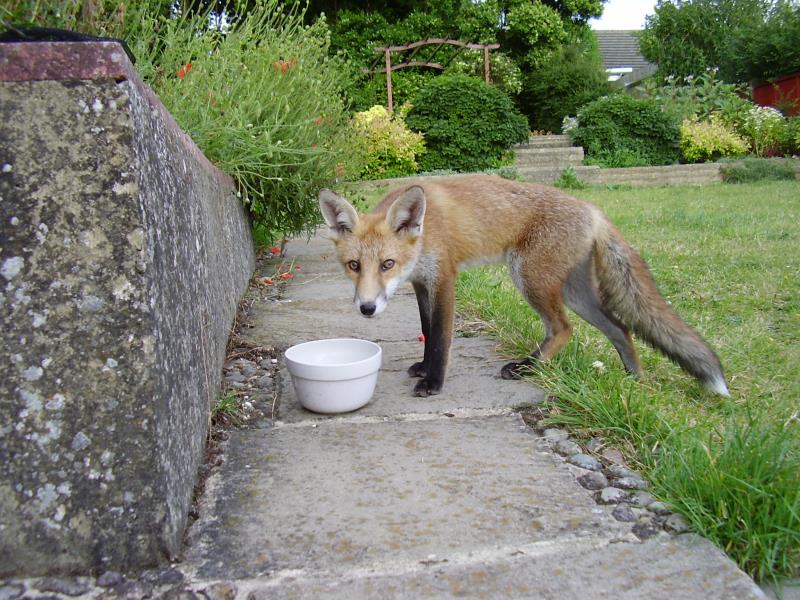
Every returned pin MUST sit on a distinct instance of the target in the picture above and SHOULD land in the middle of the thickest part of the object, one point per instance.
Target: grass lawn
(728, 259)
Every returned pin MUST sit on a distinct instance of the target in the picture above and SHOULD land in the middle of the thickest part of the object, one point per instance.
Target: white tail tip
(718, 386)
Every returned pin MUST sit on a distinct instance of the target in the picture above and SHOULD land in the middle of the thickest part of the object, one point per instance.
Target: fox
(560, 251)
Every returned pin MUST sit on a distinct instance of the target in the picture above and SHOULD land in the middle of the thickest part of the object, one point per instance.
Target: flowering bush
(710, 140)
(764, 127)
(390, 148)
(569, 125)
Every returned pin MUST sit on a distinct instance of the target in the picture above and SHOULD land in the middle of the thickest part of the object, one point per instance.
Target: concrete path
(449, 496)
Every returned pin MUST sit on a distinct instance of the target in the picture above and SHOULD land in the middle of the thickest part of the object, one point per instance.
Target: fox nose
(368, 309)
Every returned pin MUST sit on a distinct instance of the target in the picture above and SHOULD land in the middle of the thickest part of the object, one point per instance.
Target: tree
(530, 31)
(768, 49)
(687, 37)
(571, 77)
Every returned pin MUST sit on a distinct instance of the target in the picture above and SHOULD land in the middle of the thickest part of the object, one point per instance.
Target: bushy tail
(629, 291)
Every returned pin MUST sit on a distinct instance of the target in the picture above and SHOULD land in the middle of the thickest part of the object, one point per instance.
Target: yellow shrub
(709, 140)
(391, 148)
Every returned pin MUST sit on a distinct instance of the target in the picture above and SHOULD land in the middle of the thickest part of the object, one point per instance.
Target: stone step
(662, 175)
(547, 141)
(541, 157)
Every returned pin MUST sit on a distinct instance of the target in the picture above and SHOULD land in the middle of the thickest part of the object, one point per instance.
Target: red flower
(421, 337)
(184, 70)
(286, 275)
(275, 250)
(281, 65)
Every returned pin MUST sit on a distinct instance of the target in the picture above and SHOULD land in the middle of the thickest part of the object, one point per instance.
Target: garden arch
(414, 48)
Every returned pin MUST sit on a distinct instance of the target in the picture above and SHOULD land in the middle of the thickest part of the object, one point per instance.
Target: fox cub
(560, 251)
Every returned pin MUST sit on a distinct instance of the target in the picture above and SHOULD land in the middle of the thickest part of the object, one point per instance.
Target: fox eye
(354, 266)
(387, 264)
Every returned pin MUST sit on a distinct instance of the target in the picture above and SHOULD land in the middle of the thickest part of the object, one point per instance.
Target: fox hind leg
(582, 294)
(557, 333)
(545, 298)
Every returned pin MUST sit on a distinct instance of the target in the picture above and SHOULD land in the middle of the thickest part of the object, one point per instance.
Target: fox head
(378, 250)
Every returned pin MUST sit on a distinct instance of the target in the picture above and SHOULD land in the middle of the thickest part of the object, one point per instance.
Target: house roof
(619, 49)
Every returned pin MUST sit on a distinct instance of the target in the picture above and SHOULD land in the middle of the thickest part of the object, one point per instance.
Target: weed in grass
(569, 180)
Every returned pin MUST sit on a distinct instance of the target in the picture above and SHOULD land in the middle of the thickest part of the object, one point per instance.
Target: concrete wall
(123, 255)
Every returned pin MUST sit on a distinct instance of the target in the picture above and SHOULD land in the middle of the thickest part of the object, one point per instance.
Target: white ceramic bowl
(334, 376)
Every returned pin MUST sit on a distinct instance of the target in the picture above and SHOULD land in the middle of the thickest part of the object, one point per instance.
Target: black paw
(426, 387)
(517, 370)
(417, 369)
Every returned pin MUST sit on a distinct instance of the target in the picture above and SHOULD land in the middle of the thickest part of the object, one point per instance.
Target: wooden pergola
(409, 61)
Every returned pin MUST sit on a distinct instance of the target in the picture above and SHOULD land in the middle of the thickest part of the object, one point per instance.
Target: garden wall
(123, 255)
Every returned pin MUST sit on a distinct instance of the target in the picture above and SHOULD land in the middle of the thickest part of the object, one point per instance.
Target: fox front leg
(420, 369)
(436, 317)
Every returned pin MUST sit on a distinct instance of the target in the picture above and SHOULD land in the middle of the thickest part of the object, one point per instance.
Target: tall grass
(726, 258)
(262, 101)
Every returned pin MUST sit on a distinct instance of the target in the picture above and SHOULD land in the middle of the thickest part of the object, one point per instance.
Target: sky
(624, 14)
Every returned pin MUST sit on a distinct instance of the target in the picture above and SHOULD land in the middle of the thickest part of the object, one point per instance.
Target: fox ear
(338, 213)
(407, 213)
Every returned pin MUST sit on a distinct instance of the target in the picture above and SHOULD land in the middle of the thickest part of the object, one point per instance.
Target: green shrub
(504, 72)
(619, 130)
(710, 140)
(390, 148)
(468, 125)
(757, 169)
(568, 180)
(791, 137)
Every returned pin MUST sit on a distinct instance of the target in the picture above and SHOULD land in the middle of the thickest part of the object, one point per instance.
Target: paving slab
(440, 497)
(682, 568)
(350, 494)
